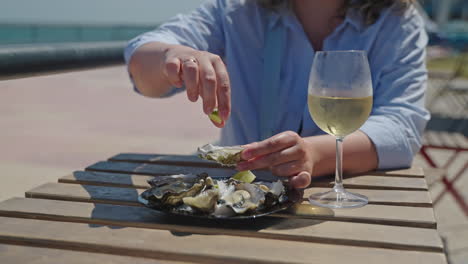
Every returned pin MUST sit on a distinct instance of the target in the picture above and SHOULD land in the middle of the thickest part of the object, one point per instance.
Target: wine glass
(340, 101)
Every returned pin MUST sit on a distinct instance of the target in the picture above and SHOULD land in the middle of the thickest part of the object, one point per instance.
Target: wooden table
(93, 216)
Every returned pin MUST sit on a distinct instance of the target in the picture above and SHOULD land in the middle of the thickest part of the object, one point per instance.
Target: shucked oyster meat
(226, 156)
(218, 198)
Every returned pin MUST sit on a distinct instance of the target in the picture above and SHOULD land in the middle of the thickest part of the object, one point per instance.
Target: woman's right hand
(204, 75)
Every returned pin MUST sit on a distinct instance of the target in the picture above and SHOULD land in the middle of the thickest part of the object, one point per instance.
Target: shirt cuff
(141, 40)
(391, 144)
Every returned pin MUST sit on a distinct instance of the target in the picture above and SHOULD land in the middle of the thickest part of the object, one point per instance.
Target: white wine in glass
(340, 101)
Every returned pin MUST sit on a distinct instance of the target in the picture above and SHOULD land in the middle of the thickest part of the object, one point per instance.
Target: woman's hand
(286, 154)
(204, 75)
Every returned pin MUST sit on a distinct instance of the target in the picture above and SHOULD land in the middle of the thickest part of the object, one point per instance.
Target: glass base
(338, 198)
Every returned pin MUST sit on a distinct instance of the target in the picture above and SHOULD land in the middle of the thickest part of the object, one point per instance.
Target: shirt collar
(275, 17)
(288, 19)
(355, 19)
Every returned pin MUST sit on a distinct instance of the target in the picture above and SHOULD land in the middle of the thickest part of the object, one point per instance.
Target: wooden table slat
(108, 179)
(373, 214)
(160, 244)
(411, 172)
(396, 215)
(355, 182)
(169, 159)
(159, 169)
(194, 161)
(155, 169)
(307, 230)
(15, 254)
(386, 197)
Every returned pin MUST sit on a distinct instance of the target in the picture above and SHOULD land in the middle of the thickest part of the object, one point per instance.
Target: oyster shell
(226, 156)
(169, 192)
(276, 193)
(277, 188)
(204, 202)
(242, 198)
(257, 195)
(164, 180)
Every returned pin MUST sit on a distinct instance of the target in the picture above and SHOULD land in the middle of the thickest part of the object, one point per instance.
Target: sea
(52, 21)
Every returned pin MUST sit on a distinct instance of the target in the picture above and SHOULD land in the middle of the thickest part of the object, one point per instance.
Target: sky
(92, 11)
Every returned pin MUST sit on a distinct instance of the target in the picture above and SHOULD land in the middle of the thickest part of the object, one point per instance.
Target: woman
(217, 52)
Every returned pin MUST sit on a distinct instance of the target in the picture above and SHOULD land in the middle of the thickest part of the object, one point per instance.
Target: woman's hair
(369, 9)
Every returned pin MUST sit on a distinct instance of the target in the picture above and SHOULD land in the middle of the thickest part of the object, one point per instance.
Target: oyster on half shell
(239, 199)
(205, 201)
(226, 156)
(170, 191)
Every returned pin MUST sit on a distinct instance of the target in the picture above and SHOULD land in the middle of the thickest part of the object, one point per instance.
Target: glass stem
(339, 165)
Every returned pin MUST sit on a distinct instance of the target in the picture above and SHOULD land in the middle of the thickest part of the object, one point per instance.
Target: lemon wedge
(214, 116)
(244, 176)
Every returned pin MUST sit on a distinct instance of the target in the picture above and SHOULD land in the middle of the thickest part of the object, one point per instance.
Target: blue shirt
(235, 30)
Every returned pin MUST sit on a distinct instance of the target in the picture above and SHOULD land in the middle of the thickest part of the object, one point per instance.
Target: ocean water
(52, 21)
(107, 12)
(29, 33)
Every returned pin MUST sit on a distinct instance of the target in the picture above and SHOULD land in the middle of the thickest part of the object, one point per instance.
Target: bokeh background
(58, 122)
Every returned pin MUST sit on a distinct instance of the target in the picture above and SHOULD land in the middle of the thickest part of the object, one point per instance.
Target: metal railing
(37, 49)
(18, 61)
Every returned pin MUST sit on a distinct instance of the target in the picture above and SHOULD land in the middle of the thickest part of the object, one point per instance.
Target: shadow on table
(252, 225)
(107, 200)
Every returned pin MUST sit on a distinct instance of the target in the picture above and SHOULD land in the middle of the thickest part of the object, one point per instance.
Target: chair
(448, 128)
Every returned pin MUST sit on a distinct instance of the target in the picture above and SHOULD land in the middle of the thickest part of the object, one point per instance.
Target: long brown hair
(369, 9)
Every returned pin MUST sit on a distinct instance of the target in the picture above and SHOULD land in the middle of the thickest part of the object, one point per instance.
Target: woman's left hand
(286, 154)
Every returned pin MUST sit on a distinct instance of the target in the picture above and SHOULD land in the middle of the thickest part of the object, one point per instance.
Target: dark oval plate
(293, 195)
